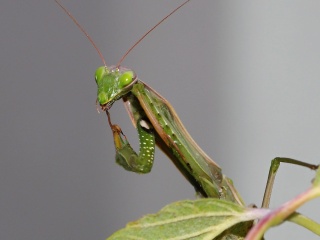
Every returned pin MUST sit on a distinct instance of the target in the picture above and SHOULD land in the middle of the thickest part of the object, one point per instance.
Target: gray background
(244, 77)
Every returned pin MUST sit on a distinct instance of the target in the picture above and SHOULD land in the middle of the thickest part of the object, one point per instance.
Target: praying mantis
(158, 124)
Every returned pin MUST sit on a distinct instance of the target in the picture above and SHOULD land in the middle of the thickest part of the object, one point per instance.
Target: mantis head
(113, 83)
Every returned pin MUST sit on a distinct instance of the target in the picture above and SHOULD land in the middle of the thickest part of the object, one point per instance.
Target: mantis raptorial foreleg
(126, 156)
(275, 163)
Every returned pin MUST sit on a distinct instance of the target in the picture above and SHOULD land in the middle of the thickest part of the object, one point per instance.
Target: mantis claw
(117, 132)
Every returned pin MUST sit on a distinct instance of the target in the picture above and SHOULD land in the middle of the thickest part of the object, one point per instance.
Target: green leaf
(205, 218)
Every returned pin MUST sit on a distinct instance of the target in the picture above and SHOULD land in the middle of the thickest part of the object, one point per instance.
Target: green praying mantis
(158, 124)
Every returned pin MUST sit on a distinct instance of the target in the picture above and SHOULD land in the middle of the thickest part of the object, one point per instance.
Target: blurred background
(243, 76)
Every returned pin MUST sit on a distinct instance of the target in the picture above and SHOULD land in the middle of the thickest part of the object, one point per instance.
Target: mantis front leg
(126, 156)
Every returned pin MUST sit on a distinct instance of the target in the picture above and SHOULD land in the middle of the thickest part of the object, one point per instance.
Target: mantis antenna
(131, 48)
(149, 31)
(82, 30)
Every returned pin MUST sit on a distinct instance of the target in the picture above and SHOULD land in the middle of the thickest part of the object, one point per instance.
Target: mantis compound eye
(125, 79)
(100, 72)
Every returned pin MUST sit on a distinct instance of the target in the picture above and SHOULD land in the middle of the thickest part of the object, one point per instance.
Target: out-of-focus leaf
(206, 218)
